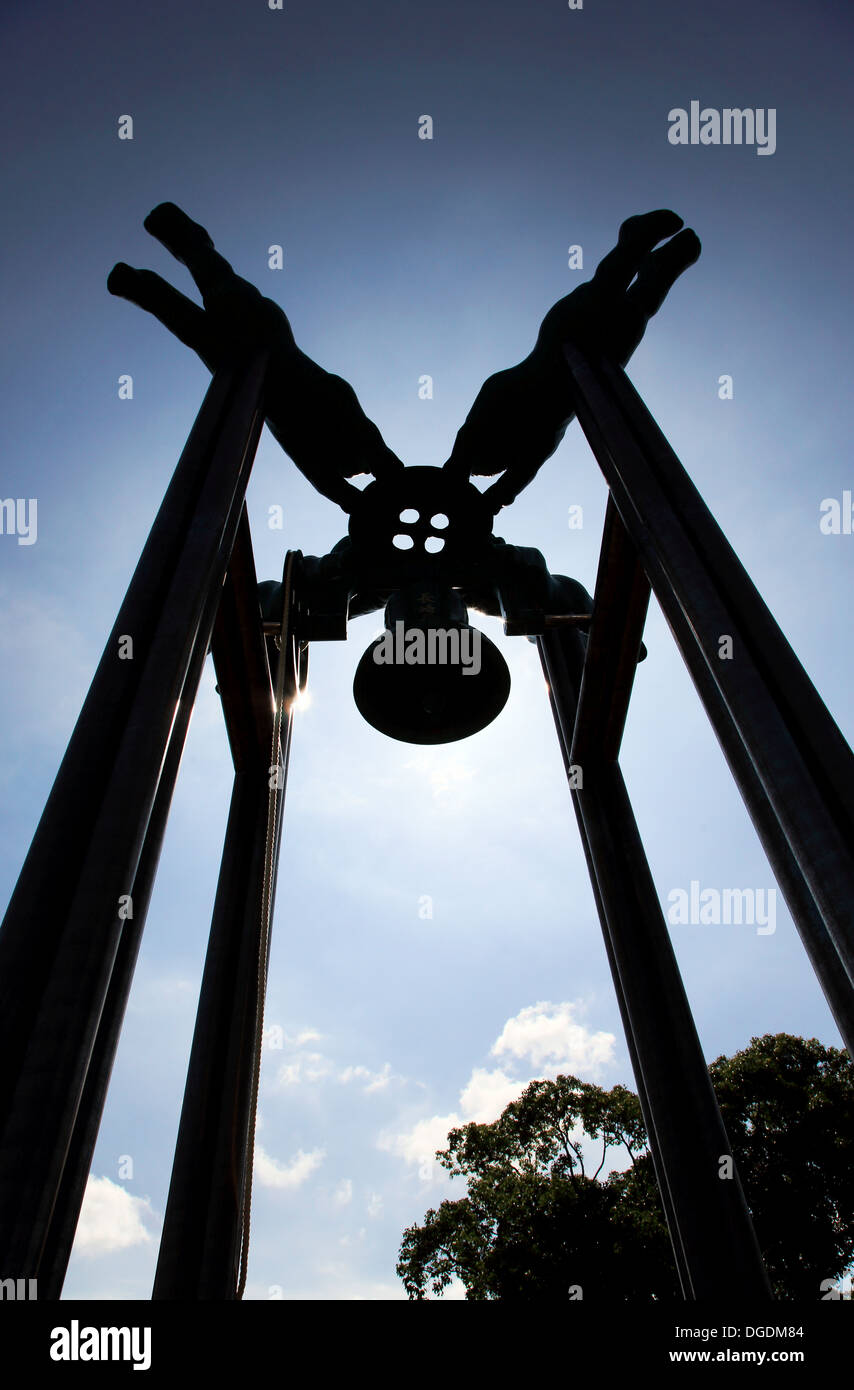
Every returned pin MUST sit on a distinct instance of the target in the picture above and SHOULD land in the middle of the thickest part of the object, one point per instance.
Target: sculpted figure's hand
(314, 415)
(521, 414)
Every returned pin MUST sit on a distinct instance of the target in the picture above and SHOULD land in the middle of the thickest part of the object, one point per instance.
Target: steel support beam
(200, 1247)
(65, 974)
(60, 1238)
(793, 768)
(712, 1235)
(552, 656)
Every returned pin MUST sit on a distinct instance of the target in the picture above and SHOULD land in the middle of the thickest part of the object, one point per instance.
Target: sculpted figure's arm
(313, 414)
(521, 414)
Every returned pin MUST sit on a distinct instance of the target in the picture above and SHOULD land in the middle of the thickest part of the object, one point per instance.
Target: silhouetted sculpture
(520, 415)
(314, 415)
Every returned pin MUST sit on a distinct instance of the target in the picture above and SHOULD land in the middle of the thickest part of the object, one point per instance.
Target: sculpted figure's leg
(243, 315)
(175, 311)
(189, 243)
(317, 419)
(520, 415)
(314, 414)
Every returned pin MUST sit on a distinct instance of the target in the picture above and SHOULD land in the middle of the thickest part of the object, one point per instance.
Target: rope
(266, 904)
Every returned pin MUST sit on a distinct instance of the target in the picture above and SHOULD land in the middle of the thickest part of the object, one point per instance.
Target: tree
(535, 1224)
(788, 1106)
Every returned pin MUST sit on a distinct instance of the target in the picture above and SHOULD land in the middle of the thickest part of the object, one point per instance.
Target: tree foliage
(788, 1106)
(537, 1223)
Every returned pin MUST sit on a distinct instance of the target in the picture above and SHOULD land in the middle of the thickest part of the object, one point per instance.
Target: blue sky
(405, 257)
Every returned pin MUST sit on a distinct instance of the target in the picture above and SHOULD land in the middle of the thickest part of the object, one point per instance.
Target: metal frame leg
(200, 1247)
(790, 762)
(64, 981)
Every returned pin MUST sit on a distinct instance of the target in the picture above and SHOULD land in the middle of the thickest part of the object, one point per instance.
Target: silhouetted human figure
(314, 415)
(520, 415)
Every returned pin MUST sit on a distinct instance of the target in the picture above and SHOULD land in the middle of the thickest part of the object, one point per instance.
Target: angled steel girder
(204, 1242)
(589, 684)
(791, 764)
(68, 945)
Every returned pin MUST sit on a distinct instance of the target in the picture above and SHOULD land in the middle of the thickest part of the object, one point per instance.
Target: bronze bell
(431, 677)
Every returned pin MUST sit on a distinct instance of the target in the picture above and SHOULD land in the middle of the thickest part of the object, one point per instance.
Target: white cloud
(376, 1080)
(550, 1036)
(305, 1067)
(270, 1173)
(486, 1095)
(379, 1080)
(357, 1239)
(419, 1143)
(110, 1219)
(343, 1194)
(375, 1205)
(311, 1067)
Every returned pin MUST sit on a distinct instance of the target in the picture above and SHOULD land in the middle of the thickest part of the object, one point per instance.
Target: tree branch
(604, 1151)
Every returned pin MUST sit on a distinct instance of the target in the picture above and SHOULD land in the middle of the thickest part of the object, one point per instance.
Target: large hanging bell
(431, 677)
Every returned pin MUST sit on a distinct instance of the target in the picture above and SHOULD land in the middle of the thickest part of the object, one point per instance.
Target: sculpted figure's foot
(123, 281)
(176, 231)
